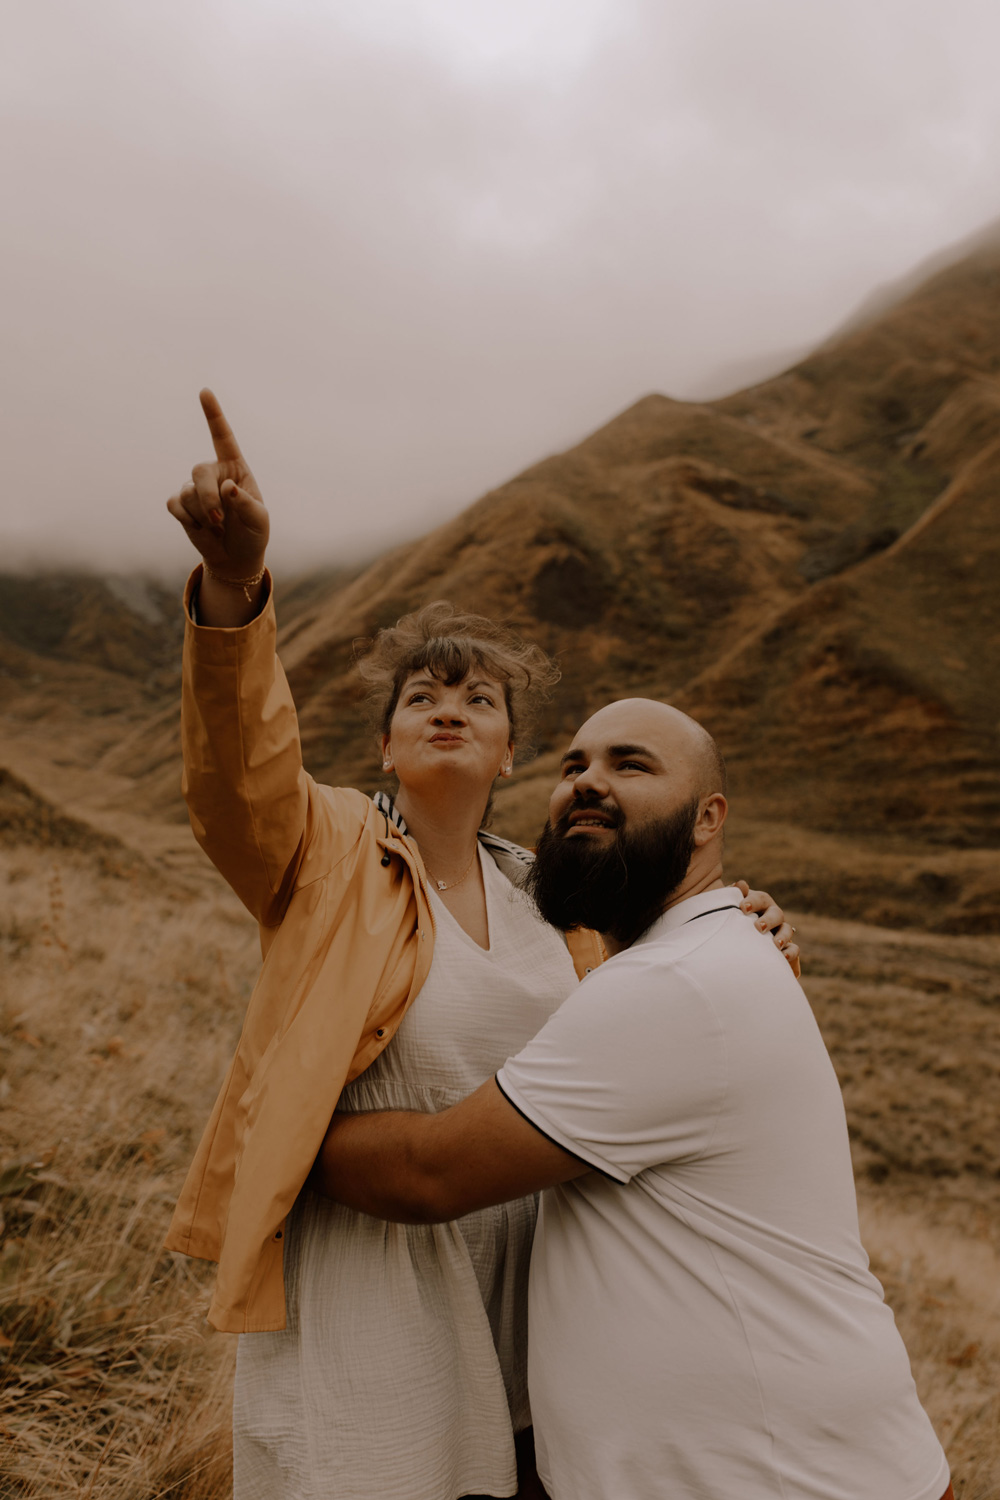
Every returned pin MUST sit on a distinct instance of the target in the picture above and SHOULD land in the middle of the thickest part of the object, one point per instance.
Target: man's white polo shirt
(703, 1323)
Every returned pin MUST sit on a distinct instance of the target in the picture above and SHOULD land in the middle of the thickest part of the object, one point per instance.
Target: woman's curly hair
(448, 644)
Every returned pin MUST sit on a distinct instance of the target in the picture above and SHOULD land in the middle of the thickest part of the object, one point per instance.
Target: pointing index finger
(227, 449)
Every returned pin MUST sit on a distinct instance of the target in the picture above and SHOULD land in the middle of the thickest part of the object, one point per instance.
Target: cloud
(415, 246)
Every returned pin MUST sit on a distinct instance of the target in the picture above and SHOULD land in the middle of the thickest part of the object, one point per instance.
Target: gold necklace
(464, 876)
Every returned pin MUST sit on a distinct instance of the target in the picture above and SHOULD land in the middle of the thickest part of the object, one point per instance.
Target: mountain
(875, 699)
(808, 565)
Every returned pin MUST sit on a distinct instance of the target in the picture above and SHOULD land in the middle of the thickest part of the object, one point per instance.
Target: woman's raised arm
(226, 520)
(250, 802)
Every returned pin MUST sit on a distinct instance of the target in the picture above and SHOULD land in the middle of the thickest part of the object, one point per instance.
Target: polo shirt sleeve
(629, 1073)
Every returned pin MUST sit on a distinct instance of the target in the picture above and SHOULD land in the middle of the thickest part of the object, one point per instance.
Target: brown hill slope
(118, 624)
(889, 674)
(808, 564)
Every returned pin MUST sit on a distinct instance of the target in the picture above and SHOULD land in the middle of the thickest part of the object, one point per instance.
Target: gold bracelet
(236, 583)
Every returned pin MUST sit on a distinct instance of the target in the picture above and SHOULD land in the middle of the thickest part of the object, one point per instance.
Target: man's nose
(590, 784)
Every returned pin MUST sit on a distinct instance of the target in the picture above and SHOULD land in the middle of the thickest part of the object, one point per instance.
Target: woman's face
(460, 732)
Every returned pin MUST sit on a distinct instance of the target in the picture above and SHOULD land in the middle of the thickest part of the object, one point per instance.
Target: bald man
(702, 1321)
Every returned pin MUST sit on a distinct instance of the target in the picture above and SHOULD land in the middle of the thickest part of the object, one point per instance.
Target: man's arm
(425, 1169)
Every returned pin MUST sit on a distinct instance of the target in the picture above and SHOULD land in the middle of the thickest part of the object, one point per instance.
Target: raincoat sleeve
(252, 806)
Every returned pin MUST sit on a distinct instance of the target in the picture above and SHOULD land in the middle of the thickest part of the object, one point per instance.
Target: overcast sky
(415, 245)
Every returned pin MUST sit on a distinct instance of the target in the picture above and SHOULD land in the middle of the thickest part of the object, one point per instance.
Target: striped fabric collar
(387, 807)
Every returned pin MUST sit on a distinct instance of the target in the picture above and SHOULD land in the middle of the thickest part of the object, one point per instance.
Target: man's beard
(618, 886)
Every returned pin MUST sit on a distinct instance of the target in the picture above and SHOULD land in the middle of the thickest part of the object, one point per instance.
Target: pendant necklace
(444, 886)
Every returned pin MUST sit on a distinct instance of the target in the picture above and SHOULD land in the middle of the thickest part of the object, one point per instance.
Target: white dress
(401, 1373)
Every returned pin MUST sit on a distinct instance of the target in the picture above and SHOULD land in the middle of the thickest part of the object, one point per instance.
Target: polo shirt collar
(686, 911)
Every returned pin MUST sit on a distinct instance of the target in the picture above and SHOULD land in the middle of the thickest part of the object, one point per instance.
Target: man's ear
(710, 819)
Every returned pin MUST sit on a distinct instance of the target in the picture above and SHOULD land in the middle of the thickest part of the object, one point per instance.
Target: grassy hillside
(122, 997)
(809, 566)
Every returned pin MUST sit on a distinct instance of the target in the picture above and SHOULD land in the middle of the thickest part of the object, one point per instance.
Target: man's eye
(572, 770)
(631, 765)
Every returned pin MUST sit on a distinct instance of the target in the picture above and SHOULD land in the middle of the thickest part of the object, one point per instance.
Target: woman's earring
(387, 765)
(505, 770)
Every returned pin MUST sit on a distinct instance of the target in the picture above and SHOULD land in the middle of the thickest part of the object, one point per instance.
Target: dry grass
(944, 1287)
(123, 995)
(911, 1021)
(121, 1000)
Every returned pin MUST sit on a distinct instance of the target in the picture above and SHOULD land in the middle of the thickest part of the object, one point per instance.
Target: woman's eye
(418, 698)
(483, 698)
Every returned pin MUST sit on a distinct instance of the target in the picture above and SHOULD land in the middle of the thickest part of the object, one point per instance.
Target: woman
(376, 1360)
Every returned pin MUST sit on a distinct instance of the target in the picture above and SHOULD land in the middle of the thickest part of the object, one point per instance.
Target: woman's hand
(770, 918)
(224, 516)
